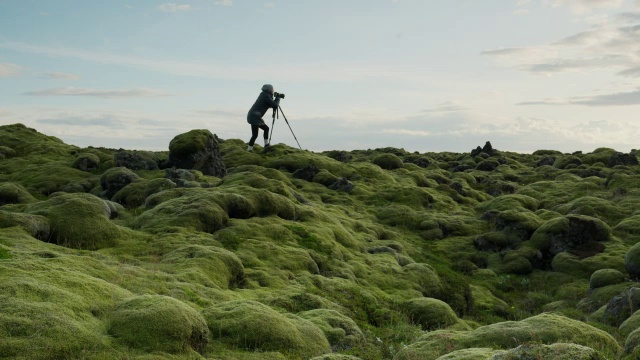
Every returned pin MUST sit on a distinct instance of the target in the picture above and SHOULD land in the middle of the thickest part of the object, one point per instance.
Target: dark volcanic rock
(487, 149)
(622, 159)
(546, 161)
(306, 173)
(622, 306)
(339, 155)
(134, 160)
(342, 185)
(198, 150)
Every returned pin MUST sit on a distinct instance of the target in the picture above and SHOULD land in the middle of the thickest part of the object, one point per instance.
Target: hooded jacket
(260, 107)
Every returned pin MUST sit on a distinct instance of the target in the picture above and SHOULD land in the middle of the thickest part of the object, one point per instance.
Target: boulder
(632, 261)
(135, 160)
(343, 185)
(78, 220)
(388, 161)
(577, 234)
(114, 179)
(86, 162)
(12, 193)
(622, 306)
(430, 313)
(251, 325)
(605, 277)
(159, 323)
(198, 150)
(306, 173)
(622, 159)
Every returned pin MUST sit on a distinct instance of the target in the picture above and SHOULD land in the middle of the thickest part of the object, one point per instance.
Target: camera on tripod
(278, 95)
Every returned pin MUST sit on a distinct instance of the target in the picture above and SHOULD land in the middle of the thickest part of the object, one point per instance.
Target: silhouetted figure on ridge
(264, 102)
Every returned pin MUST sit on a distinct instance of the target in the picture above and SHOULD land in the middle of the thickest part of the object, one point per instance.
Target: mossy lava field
(207, 251)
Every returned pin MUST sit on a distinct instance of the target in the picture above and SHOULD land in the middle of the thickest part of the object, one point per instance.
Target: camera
(278, 95)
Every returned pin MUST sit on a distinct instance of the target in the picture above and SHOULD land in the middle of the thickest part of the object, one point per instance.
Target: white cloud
(617, 99)
(406, 132)
(9, 69)
(60, 76)
(127, 93)
(174, 7)
(270, 5)
(224, 2)
(521, 11)
(584, 6)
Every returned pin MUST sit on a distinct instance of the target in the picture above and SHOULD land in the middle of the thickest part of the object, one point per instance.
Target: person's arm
(270, 102)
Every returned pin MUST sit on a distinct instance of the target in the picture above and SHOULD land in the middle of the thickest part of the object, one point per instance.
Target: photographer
(264, 102)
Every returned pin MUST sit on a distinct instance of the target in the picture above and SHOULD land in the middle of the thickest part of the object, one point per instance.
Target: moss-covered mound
(252, 325)
(545, 329)
(78, 221)
(577, 234)
(430, 313)
(158, 323)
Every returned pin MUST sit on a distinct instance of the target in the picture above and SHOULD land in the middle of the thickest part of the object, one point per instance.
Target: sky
(423, 75)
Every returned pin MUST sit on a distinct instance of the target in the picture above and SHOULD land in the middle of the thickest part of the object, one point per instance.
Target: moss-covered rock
(559, 351)
(114, 179)
(199, 150)
(36, 225)
(341, 331)
(430, 313)
(78, 221)
(11, 193)
(206, 265)
(631, 342)
(605, 277)
(630, 324)
(158, 323)
(251, 325)
(622, 306)
(387, 161)
(86, 162)
(632, 261)
(574, 233)
(544, 329)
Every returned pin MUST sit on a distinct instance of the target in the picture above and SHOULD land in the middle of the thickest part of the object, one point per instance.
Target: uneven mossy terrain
(369, 254)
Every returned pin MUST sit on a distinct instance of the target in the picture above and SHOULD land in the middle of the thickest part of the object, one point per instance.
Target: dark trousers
(254, 132)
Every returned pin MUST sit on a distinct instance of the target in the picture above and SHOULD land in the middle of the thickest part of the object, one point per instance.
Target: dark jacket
(262, 104)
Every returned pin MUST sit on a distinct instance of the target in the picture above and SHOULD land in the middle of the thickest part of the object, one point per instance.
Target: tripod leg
(273, 121)
(285, 119)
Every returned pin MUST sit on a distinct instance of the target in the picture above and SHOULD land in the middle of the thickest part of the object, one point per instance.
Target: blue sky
(420, 75)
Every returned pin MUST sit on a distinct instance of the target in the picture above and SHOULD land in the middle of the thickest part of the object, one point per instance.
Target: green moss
(595, 207)
(251, 325)
(325, 178)
(630, 324)
(559, 351)
(632, 261)
(632, 341)
(114, 179)
(158, 323)
(206, 265)
(511, 202)
(78, 221)
(49, 177)
(562, 234)
(430, 313)
(335, 357)
(341, 331)
(11, 193)
(86, 162)
(37, 226)
(605, 277)
(387, 161)
(469, 354)
(543, 329)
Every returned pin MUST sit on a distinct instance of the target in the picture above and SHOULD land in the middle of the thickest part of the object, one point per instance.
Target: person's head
(268, 88)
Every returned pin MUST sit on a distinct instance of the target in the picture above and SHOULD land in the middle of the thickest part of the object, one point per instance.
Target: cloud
(406, 132)
(9, 69)
(127, 93)
(104, 121)
(174, 7)
(584, 6)
(60, 76)
(632, 72)
(617, 99)
(224, 2)
(617, 48)
(445, 107)
(270, 5)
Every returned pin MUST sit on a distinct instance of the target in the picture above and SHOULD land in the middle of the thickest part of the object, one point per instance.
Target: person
(264, 102)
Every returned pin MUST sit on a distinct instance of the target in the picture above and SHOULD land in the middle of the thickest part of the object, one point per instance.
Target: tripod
(275, 114)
